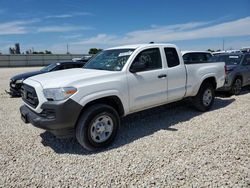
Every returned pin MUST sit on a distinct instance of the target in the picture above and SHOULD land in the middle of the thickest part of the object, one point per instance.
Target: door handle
(162, 76)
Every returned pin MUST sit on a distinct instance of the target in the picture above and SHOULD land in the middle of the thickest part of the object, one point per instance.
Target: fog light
(49, 114)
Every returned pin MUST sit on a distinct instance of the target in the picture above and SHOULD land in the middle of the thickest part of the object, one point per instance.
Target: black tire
(236, 87)
(85, 126)
(199, 103)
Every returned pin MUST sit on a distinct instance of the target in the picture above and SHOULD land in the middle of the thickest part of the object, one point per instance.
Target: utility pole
(223, 44)
(67, 48)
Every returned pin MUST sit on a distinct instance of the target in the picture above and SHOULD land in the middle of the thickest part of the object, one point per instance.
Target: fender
(101, 94)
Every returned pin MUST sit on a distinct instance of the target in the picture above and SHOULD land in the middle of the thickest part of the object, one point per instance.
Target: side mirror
(137, 67)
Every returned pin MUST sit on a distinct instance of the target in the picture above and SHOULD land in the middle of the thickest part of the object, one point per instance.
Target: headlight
(19, 81)
(58, 94)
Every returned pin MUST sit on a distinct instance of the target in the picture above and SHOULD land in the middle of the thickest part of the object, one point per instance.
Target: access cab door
(177, 75)
(148, 85)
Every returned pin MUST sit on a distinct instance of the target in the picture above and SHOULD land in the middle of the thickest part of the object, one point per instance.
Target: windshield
(228, 59)
(49, 67)
(111, 60)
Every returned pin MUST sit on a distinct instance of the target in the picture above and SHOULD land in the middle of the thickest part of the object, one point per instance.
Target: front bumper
(57, 117)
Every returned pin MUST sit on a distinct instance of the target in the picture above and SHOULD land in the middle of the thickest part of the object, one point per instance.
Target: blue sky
(192, 25)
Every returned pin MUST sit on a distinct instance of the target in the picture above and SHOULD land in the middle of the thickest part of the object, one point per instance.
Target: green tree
(48, 52)
(17, 48)
(209, 50)
(94, 50)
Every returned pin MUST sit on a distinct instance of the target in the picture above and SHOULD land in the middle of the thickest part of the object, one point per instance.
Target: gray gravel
(171, 146)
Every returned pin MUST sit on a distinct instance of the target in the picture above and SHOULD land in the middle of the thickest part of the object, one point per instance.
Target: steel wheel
(101, 128)
(207, 97)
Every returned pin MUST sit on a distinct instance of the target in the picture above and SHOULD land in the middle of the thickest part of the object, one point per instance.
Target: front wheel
(204, 99)
(97, 127)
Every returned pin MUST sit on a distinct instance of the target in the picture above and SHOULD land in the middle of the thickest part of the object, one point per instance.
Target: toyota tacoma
(88, 103)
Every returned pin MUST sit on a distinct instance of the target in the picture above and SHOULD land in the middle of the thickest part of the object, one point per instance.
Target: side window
(69, 66)
(151, 58)
(192, 58)
(247, 60)
(58, 67)
(186, 58)
(78, 65)
(172, 57)
(208, 56)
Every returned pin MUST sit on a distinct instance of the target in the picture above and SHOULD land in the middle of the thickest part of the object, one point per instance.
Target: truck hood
(68, 77)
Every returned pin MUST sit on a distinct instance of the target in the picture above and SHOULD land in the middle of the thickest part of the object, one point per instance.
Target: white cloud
(71, 36)
(70, 15)
(187, 31)
(99, 39)
(62, 28)
(230, 43)
(59, 16)
(24, 27)
(15, 27)
(83, 14)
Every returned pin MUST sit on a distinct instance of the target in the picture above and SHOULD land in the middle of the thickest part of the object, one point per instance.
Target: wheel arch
(238, 76)
(210, 79)
(113, 101)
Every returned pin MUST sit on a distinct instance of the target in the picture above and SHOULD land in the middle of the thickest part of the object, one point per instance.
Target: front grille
(29, 95)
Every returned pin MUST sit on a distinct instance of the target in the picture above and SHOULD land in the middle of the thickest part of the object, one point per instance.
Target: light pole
(223, 44)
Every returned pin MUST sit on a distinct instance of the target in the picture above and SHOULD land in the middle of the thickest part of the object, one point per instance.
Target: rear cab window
(231, 59)
(172, 57)
(196, 57)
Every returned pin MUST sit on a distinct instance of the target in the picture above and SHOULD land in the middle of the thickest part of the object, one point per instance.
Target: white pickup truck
(89, 102)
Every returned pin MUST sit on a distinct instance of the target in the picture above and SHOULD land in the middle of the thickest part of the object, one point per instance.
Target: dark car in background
(17, 80)
(237, 71)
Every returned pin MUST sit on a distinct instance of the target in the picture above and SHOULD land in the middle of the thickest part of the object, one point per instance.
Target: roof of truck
(135, 46)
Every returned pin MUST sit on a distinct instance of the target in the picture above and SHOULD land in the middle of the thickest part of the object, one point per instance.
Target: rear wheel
(97, 127)
(236, 87)
(204, 98)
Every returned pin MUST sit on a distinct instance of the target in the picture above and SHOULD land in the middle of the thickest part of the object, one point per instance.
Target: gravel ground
(170, 146)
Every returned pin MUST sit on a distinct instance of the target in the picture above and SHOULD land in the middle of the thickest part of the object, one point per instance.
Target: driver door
(148, 87)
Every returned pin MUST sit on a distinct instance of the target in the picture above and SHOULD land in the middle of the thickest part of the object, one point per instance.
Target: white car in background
(85, 58)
